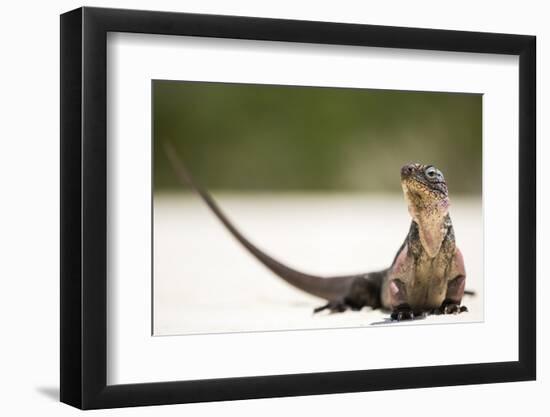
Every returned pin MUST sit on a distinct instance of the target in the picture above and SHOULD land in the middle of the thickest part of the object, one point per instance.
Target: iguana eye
(431, 172)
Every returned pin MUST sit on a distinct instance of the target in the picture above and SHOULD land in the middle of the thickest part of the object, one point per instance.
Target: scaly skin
(427, 275)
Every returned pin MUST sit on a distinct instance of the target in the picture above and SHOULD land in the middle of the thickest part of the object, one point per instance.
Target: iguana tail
(328, 288)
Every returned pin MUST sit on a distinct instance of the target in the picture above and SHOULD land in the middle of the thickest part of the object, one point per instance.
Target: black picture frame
(84, 207)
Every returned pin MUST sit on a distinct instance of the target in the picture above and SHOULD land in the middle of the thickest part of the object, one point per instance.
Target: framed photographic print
(258, 207)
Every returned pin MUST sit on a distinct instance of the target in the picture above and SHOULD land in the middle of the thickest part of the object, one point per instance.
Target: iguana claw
(450, 308)
(402, 312)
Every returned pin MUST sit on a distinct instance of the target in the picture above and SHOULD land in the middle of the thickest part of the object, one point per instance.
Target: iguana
(427, 275)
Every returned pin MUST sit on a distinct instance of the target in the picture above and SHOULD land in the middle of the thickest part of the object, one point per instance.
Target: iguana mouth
(420, 188)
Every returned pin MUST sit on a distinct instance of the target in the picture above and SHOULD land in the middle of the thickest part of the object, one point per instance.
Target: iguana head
(427, 197)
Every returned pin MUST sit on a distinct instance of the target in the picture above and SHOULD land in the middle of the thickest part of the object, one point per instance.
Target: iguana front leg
(395, 296)
(401, 308)
(455, 288)
(453, 299)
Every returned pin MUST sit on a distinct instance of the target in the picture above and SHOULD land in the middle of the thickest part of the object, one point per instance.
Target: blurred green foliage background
(269, 138)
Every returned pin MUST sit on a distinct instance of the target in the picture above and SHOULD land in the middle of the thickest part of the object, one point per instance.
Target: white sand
(205, 282)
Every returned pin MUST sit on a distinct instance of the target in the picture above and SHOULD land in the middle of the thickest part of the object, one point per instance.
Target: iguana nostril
(407, 170)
